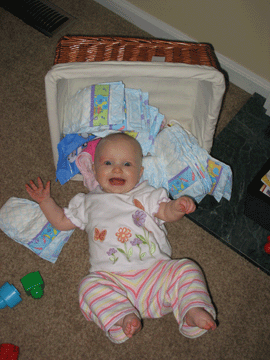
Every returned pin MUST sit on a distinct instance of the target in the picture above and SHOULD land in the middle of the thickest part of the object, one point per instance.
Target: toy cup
(9, 296)
(33, 284)
(9, 352)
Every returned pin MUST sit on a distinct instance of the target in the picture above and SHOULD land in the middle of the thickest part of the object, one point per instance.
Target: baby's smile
(117, 181)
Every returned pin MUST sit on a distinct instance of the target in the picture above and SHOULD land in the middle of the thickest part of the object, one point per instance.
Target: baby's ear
(141, 172)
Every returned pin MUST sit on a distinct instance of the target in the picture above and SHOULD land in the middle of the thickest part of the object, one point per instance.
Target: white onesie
(123, 232)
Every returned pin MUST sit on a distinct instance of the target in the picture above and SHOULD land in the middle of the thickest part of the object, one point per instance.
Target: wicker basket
(87, 48)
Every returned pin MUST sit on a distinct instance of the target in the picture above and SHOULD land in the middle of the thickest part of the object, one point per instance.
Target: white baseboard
(238, 75)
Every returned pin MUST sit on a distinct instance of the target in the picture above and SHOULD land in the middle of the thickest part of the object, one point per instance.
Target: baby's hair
(114, 136)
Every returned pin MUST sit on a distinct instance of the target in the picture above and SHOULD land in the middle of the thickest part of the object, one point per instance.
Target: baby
(132, 275)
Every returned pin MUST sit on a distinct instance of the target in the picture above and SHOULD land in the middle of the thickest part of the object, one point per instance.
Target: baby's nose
(117, 169)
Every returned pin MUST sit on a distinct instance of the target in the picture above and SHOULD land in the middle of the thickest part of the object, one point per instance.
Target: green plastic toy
(33, 284)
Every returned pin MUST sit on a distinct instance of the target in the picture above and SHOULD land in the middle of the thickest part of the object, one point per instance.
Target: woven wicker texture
(87, 48)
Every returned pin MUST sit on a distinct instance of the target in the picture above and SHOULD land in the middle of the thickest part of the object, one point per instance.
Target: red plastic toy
(267, 245)
(9, 352)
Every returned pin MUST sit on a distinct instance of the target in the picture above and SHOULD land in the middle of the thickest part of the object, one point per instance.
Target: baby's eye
(107, 162)
(127, 164)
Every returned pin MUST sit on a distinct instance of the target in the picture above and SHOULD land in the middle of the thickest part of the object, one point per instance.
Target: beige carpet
(53, 327)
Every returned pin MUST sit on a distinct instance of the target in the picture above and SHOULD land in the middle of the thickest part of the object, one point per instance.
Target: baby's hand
(38, 193)
(185, 204)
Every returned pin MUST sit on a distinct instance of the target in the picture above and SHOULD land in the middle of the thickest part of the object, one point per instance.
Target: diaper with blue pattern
(181, 166)
(23, 221)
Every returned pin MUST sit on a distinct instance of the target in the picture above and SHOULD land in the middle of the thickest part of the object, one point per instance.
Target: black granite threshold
(260, 266)
(244, 145)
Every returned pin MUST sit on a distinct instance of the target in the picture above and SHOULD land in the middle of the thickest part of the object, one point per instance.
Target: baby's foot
(199, 317)
(130, 324)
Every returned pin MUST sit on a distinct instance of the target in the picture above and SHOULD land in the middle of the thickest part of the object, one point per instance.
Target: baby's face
(118, 165)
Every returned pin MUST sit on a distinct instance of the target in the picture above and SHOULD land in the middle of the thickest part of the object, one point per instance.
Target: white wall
(239, 30)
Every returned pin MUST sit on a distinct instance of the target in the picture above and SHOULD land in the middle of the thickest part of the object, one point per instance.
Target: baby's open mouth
(117, 181)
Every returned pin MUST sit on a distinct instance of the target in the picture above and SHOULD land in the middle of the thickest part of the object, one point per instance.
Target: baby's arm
(174, 210)
(54, 213)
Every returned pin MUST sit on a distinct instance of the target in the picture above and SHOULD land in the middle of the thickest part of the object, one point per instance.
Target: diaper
(105, 108)
(143, 119)
(95, 108)
(181, 166)
(23, 221)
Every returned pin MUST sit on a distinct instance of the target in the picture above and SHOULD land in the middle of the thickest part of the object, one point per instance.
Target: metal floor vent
(40, 14)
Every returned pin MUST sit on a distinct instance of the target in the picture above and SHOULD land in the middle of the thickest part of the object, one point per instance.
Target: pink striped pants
(170, 285)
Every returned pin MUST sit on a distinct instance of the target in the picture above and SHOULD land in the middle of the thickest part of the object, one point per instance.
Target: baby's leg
(199, 317)
(190, 299)
(130, 324)
(104, 300)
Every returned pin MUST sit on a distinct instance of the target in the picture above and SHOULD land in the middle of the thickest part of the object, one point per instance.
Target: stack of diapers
(109, 107)
(181, 166)
(23, 221)
(96, 108)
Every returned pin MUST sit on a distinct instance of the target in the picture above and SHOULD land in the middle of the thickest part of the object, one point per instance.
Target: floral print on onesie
(123, 236)
(123, 232)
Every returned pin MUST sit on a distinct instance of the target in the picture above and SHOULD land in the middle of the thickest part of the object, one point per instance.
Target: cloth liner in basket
(190, 94)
